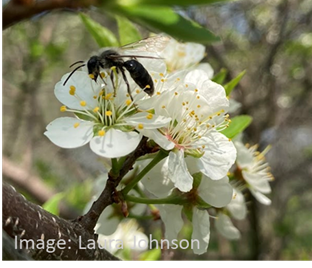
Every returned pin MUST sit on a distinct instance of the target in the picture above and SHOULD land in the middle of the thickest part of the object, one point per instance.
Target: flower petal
(220, 154)
(115, 143)
(159, 138)
(171, 217)
(149, 121)
(226, 228)
(216, 193)
(261, 197)
(154, 182)
(175, 169)
(201, 230)
(257, 182)
(69, 132)
(237, 206)
(85, 90)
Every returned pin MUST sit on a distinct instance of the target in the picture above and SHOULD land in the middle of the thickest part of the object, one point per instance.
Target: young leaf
(164, 19)
(171, 2)
(103, 36)
(52, 205)
(232, 84)
(220, 76)
(237, 125)
(128, 33)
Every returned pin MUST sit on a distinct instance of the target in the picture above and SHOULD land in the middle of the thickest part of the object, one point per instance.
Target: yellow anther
(158, 93)
(198, 106)
(140, 126)
(101, 133)
(94, 97)
(128, 102)
(102, 74)
(108, 96)
(108, 113)
(147, 86)
(63, 108)
(76, 125)
(196, 90)
(163, 106)
(149, 116)
(176, 93)
(162, 80)
(197, 97)
(83, 103)
(113, 68)
(155, 80)
(161, 74)
(91, 76)
(96, 109)
(230, 139)
(186, 85)
(137, 91)
(101, 92)
(72, 90)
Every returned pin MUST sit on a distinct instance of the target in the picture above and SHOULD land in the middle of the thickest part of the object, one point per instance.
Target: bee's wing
(155, 43)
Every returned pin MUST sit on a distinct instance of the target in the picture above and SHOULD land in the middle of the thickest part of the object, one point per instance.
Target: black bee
(111, 58)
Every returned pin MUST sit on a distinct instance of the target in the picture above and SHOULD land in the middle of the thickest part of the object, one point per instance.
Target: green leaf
(52, 205)
(232, 84)
(220, 76)
(128, 33)
(151, 255)
(164, 19)
(103, 36)
(171, 2)
(237, 125)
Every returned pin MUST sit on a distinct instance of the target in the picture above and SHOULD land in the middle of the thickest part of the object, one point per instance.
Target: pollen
(149, 116)
(140, 126)
(108, 113)
(147, 86)
(63, 108)
(83, 103)
(108, 96)
(91, 76)
(101, 133)
(72, 90)
(102, 74)
(76, 125)
(128, 102)
(96, 109)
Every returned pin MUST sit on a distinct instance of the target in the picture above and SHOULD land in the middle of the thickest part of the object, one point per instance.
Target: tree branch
(23, 220)
(15, 11)
(106, 198)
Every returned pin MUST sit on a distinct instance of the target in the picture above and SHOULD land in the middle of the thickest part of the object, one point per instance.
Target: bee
(112, 58)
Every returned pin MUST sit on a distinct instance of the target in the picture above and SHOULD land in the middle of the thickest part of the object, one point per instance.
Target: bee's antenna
(81, 61)
(73, 73)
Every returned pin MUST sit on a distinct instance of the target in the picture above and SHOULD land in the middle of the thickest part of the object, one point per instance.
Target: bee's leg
(112, 79)
(127, 83)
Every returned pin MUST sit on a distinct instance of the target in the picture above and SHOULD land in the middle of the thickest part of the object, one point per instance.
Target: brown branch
(15, 11)
(106, 198)
(25, 221)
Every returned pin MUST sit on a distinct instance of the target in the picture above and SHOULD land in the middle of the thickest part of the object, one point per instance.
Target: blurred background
(272, 40)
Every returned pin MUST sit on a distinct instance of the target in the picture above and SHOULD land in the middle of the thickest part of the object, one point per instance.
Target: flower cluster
(183, 119)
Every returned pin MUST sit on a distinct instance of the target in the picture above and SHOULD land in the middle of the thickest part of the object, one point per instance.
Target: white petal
(216, 193)
(115, 143)
(225, 227)
(206, 67)
(86, 90)
(159, 138)
(215, 94)
(154, 182)
(237, 206)
(156, 121)
(257, 182)
(220, 155)
(176, 170)
(261, 197)
(107, 224)
(171, 216)
(64, 133)
(244, 156)
(201, 230)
